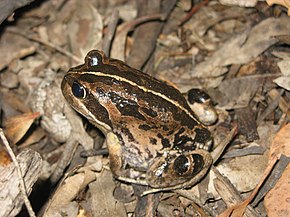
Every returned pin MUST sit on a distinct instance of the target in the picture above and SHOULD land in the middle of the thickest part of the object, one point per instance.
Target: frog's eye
(94, 61)
(191, 165)
(197, 96)
(78, 90)
(181, 165)
(94, 58)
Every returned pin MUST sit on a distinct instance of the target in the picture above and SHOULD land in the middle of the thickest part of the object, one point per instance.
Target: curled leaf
(16, 127)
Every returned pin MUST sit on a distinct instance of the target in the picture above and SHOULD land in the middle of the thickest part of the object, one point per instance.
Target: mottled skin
(151, 133)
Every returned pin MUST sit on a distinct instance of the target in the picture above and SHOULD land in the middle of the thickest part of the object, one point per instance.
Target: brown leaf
(102, 197)
(285, 3)
(239, 209)
(281, 143)
(4, 157)
(63, 200)
(277, 200)
(17, 126)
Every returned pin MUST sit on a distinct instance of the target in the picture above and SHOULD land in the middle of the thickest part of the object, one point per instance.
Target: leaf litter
(239, 55)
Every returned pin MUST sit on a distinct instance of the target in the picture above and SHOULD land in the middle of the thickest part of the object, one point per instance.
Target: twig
(192, 11)
(270, 108)
(48, 44)
(217, 152)
(20, 175)
(131, 25)
(107, 42)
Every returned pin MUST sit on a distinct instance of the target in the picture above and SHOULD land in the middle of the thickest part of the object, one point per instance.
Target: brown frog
(152, 135)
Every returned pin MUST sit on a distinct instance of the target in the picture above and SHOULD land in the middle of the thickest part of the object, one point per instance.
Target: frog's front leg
(175, 170)
(115, 155)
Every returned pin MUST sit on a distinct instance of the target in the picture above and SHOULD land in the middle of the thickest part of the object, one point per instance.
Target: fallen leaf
(63, 200)
(244, 3)
(4, 157)
(85, 23)
(238, 92)
(10, 50)
(285, 3)
(102, 197)
(239, 209)
(277, 200)
(280, 145)
(284, 66)
(244, 47)
(17, 126)
(284, 82)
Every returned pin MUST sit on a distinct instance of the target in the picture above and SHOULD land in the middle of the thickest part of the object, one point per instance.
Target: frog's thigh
(115, 153)
(178, 170)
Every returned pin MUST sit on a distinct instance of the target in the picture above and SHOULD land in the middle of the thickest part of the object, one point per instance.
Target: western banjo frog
(152, 135)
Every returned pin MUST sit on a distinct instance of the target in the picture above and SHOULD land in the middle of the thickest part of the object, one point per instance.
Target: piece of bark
(10, 195)
(247, 123)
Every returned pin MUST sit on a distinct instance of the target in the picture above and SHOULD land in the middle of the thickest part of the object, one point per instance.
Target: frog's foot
(179, 170)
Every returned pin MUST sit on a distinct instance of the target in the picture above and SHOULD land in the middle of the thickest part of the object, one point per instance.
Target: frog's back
(121, 71)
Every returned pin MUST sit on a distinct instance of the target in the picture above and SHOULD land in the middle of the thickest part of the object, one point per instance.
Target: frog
(153, 136)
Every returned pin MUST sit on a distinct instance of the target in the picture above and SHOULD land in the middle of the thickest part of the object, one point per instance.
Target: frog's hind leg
(178, 170)
(116, 161)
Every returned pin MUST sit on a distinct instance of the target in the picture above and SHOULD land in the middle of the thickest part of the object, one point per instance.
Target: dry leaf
(4, 157)
(12, 100)
(63, 201)
(244, 47)
(85, 28)
(238, 92)
(9, 50)
(277, 201)
(284, 66)
(17, 126)
(102, 197)
(285, 3)
(280, 145)
(35, 137)
(239, 209)
(284, 82)
(244, 3)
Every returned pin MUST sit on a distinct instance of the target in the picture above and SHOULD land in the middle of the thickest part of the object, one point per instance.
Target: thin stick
(20, 176)
(48, 44)
(131, 25)
(192, 11)
(112, 26)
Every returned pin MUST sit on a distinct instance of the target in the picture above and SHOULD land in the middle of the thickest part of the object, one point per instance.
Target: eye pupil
(78, 90)
(181, 164)
(94, 61)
